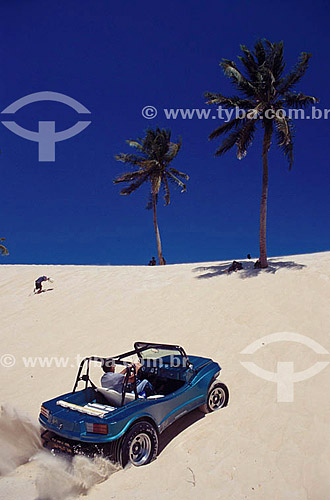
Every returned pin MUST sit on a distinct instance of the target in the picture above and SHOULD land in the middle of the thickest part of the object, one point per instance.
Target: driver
(115, 381)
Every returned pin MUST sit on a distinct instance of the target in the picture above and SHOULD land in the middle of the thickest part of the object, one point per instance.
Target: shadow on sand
(177, 427)
(248, 270)
(43, 291)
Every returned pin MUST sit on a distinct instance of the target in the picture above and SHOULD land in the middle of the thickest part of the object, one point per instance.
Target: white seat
(115, 397)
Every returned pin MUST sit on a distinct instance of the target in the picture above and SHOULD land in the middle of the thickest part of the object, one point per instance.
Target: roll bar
(139, 347)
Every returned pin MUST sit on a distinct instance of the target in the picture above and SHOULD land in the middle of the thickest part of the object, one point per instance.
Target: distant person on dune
(152, 262)
(38, 283)
(236, 266)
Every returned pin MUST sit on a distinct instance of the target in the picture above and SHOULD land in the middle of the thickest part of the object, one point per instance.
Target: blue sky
(117, 57)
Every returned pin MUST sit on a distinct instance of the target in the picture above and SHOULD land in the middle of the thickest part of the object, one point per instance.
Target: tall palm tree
(152, 164)
(3, 249)
(266, 93)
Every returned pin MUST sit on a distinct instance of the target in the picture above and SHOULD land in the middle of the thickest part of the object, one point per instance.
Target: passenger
(115, 381)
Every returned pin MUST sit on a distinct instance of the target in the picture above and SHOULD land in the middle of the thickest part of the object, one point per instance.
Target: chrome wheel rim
(216, 398)
(140, 449)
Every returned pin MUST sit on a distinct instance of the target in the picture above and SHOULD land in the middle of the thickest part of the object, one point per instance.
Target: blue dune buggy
(125, 426)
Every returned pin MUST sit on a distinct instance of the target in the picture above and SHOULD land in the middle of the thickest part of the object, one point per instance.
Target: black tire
(139, 445)
(217, 397)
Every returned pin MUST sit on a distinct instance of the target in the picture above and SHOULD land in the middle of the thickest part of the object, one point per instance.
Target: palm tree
(3, 249)
(152, 164)
(266, 93)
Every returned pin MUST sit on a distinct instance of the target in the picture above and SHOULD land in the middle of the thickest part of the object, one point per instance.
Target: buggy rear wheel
(139, 445)
(217, 397)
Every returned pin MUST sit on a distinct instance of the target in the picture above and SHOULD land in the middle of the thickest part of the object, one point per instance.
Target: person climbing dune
(38, 283)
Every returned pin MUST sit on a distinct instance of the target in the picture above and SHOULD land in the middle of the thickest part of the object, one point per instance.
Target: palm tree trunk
(264, 195)
(159, 243)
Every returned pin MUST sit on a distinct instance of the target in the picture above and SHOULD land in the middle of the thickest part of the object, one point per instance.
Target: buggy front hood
(198, 362)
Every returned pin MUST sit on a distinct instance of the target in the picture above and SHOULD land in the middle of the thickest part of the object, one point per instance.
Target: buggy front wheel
(217, 397)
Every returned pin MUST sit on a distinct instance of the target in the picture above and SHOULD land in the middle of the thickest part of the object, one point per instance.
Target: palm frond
(286, 83)
(278, 63)
(245, 138)
(135, 144)
(129, 158)
(130, 176)
(225, 127)
(266, 84)
(249, 62)
(134, 185)
(274, 58)
(284, 137)
(282, 125)
(156, 143)
(229, 102)
(228, 142)
(173, 149)
(178, 173)
(3, 250)
(245, 86)
(166, 191)
(171, 177)
(260, 52)
(300, 100)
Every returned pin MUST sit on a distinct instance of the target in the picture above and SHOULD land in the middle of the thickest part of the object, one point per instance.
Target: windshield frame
(140, 347)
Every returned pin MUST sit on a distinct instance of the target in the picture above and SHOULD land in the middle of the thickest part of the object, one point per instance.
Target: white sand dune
(256, 448)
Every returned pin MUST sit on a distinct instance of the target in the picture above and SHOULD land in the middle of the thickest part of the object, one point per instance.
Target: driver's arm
(131, 377)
